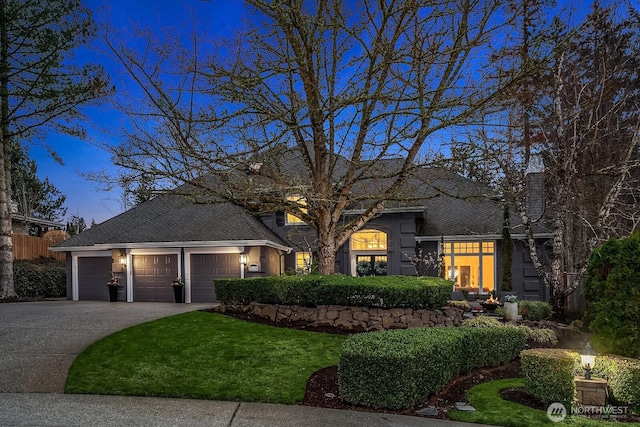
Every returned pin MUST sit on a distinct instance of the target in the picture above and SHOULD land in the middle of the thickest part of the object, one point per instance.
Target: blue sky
(84, 198)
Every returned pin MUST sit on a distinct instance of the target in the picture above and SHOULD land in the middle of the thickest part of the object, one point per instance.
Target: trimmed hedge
(314, 290)
(623, 376)
(42, 278)
(548, 374)
(399, 368)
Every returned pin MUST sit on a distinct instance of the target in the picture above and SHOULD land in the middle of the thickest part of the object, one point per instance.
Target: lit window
(471, 265)
(369, 240)
(303, 262)
(301, 201)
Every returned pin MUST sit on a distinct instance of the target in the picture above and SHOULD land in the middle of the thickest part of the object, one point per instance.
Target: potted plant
(511, 307)
(178, 286)
(113, 284)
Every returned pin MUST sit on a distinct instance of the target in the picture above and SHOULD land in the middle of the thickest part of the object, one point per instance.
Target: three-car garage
(146, 275)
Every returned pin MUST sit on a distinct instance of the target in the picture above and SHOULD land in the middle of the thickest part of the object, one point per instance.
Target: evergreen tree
(41, 89)
(35, 198)
(76, 225)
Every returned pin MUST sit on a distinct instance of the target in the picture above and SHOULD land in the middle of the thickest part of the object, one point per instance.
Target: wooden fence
(30, 247)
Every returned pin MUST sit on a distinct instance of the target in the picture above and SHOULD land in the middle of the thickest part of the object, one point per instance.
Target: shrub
(462, 305)
(549, 374)
(611, 287)
(482, 322)
(538, 335)
(399, 368)
(315, 290)
(541, 335)
(534, 310)
(42, 278)
(623, 376)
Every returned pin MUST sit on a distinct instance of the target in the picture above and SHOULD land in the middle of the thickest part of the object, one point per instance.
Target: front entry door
(371, 265)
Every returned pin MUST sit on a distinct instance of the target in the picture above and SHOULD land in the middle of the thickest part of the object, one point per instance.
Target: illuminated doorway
(369, 253)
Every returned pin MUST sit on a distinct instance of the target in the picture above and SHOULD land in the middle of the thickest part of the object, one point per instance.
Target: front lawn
(204, 355)
(492, 409)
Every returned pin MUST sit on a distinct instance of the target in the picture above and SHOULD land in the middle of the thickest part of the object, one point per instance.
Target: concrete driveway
(40, 340)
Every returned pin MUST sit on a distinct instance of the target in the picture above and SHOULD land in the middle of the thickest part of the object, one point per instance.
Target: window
(371, 265)
(303, 262)
(471, 265)
(369, 240)
(369, 253)
(301, 201)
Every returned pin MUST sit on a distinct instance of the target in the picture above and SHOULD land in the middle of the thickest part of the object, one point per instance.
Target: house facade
(171, 236)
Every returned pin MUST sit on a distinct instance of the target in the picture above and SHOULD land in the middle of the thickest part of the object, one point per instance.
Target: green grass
(492, 409)
(204, 355)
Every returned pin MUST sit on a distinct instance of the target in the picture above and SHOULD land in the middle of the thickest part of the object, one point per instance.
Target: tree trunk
(326, 253)
(557, 299)
(6, 243)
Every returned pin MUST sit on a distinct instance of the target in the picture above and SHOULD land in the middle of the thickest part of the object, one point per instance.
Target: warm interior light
(243, 258)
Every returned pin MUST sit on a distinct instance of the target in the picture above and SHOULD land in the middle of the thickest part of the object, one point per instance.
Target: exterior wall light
(243, 258)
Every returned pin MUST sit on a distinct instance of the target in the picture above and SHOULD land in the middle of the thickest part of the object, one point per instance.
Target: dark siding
(93, 273)
(400, 229)
(525, 277)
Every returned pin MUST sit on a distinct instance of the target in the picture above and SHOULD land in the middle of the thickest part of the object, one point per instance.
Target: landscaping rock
(361, 316)
(269, 312)
(464, 406)
(352, 318)
(387, 321)
(343, 324)
(416, 323)
(429, 411)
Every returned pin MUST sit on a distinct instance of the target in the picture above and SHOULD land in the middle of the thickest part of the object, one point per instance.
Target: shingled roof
(172, 218)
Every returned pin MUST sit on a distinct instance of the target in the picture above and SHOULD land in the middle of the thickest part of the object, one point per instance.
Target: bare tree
(40, 89)
(585, 129)
(329, 102)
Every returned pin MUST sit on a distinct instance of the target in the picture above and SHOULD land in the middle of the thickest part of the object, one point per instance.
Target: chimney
(534, 187)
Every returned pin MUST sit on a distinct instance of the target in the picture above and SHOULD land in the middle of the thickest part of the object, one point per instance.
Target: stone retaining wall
(352, 318)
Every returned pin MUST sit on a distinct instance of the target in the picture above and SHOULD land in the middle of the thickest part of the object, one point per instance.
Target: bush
(623, 376)
(534, 310)
(399, 368)
(42, 278)
(314, 290)
(611, 287)
(462, 305)
(482, 322)
(549, 374)
(541, 335)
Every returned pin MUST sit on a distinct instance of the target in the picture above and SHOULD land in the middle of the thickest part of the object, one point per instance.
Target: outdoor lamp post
(587, 358)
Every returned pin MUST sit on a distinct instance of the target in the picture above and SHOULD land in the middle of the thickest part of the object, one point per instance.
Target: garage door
(152, 277)
(205, 268)
(93, 273)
